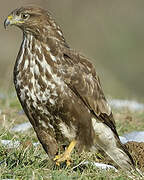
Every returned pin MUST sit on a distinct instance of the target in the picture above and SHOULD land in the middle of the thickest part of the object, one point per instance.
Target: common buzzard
(60, 91)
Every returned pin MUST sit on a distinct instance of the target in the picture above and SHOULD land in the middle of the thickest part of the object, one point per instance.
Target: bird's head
(34, 20)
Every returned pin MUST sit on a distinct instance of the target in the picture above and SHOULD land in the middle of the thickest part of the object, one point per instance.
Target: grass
(29, 162)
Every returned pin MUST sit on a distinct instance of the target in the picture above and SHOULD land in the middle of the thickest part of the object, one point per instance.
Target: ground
(29, 162)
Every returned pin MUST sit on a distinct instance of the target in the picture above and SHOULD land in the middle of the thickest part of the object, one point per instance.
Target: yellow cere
(13, 20)
(10, 17)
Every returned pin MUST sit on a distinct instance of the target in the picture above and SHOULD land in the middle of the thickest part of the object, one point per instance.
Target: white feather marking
(38, 30)
(60, 33)
(47, 92)
(22, 53)
(40, 108)
(26, 64)
(36, 69)
(52, 101)
(52, 85)
(47, 48)
(27, 41)
(22, 94)
(44, 64)
(50, 126)
(44, 79)
(29, 46)
(54, 93)
(33, 96)
(45, 111)
(44, 97)
(31, 38)
(37, 85)
(38, 47)
(69, 132)
(49, 84)
(47, 67)
(44, 124)
(53, 57)
(32, 80)
(57, 79)
(35, 104)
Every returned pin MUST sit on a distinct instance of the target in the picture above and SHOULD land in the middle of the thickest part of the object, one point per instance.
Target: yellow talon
(66, 155)
(57, 157)
(57, 163)
(68, 162)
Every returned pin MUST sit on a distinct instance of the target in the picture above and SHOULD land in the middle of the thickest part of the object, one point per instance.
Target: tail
(109, 142)
(121, 157)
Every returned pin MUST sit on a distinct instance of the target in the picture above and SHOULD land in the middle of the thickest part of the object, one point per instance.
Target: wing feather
(84, 82)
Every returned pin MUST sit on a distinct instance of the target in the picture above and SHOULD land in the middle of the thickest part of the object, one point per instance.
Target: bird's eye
(25, 16)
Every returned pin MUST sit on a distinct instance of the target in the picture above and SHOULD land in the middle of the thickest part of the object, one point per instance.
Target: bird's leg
(66, 155)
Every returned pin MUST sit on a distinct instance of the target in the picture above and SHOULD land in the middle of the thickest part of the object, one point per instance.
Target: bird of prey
(60, 91)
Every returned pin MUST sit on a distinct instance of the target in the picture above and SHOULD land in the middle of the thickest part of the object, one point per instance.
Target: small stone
(22, 127)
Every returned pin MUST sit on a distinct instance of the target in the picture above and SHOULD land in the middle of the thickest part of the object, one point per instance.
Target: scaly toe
(68, 162)
(61, 158)
(57, 157)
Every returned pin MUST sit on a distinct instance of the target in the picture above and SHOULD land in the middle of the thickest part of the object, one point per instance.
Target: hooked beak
(12, 20)
(8, 21)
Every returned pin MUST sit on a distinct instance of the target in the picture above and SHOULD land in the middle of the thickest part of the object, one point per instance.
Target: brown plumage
(60, 90)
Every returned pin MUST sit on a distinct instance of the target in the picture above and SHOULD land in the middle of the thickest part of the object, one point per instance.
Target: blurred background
(111, 33)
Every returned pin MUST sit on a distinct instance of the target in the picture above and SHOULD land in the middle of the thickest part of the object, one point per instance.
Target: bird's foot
(61, 158)
(66, 155)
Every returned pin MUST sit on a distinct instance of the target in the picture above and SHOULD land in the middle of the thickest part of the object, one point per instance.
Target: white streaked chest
(35, 78)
